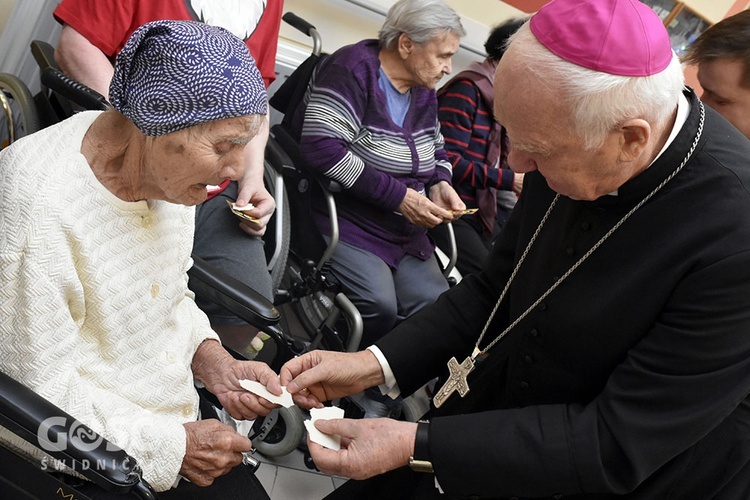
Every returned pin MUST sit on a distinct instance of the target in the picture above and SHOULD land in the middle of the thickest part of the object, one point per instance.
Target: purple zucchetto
(620, 37)
(171, 75)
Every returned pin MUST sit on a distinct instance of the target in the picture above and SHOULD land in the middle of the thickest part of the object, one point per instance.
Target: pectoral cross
(456, 381)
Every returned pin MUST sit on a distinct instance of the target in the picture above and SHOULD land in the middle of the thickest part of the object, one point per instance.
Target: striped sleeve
(332, 144)
(466, 124)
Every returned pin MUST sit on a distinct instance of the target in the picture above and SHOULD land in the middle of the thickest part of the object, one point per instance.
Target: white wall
(27, 20)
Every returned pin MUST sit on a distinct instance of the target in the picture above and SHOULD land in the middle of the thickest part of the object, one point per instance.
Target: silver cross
(456, 381)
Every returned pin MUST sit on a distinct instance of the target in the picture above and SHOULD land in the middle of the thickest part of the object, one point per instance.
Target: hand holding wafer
(241, 211)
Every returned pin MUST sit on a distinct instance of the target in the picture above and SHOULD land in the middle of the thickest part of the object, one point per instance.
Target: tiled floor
(287, 478)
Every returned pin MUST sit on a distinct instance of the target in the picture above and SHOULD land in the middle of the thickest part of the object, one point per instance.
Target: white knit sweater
(96, 313)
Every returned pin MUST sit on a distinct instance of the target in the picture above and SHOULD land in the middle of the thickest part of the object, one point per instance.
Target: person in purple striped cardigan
(369, 122)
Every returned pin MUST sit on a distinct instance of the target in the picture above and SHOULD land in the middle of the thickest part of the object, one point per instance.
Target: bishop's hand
(369, 446)
(320, 376)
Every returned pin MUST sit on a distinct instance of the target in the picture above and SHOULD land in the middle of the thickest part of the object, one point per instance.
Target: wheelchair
(19, 111)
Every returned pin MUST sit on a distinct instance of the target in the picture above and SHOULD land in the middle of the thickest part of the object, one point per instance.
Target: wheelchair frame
(15, 94)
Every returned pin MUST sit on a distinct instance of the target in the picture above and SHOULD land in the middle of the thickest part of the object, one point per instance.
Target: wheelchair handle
(308, 29)
(298, 23)
(76, 92)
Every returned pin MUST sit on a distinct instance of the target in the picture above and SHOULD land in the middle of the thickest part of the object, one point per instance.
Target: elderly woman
(97, 228)
(370, 123)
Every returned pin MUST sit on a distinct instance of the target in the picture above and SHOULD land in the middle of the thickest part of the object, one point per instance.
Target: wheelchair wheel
(282, 431)
(317, 312)
(19, 113)
(279, 228)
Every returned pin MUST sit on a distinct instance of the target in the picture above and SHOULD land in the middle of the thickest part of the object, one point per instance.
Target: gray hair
(600, 101)
(420, 20)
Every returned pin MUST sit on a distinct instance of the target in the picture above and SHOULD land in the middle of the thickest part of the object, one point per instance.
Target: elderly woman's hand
(212, 450)
(237, 401)
(221, 373)
(251, 188)
(421, 211)
(264, 207)
(444, 196)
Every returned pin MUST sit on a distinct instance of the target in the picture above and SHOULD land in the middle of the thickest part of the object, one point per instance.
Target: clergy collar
(683, 110)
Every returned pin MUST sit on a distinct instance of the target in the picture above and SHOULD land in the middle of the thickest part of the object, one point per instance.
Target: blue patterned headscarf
(172, 75)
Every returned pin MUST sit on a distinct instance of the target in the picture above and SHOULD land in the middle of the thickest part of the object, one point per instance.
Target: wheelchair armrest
(44, 425)
(244, 302)
(231, 293)
(72, 90)
(44, 54)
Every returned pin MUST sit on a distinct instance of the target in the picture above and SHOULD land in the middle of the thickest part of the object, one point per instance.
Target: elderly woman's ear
(405, 45)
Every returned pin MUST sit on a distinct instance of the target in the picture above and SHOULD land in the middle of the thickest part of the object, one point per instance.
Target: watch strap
(421, 461)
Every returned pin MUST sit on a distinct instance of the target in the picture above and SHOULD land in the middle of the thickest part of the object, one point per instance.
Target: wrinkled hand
(443, 195)
(237, 401)
(213, 449)
(369, 446)
(221, 373)
(421, 211)
(264, 206)
(518, 183)
(250, 187)
(320, 376)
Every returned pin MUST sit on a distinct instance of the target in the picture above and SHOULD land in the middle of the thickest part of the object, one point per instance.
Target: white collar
(683, 110)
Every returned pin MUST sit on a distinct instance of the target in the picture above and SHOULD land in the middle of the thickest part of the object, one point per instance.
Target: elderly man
(722, 54)
(97, 224)
(604, 349)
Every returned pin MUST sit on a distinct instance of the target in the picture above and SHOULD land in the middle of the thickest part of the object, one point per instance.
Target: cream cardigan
(96, 313)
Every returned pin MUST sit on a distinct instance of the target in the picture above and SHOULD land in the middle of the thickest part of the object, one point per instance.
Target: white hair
(600, 101)
(420, 20)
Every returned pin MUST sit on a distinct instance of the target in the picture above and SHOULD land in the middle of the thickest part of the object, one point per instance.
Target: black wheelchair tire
(285, 435)
(277, 271)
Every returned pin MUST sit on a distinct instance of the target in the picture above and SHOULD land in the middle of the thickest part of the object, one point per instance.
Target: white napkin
(259, 390)
(331, 441)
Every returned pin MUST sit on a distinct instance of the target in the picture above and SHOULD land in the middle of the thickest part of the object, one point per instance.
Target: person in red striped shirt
(477, 149)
